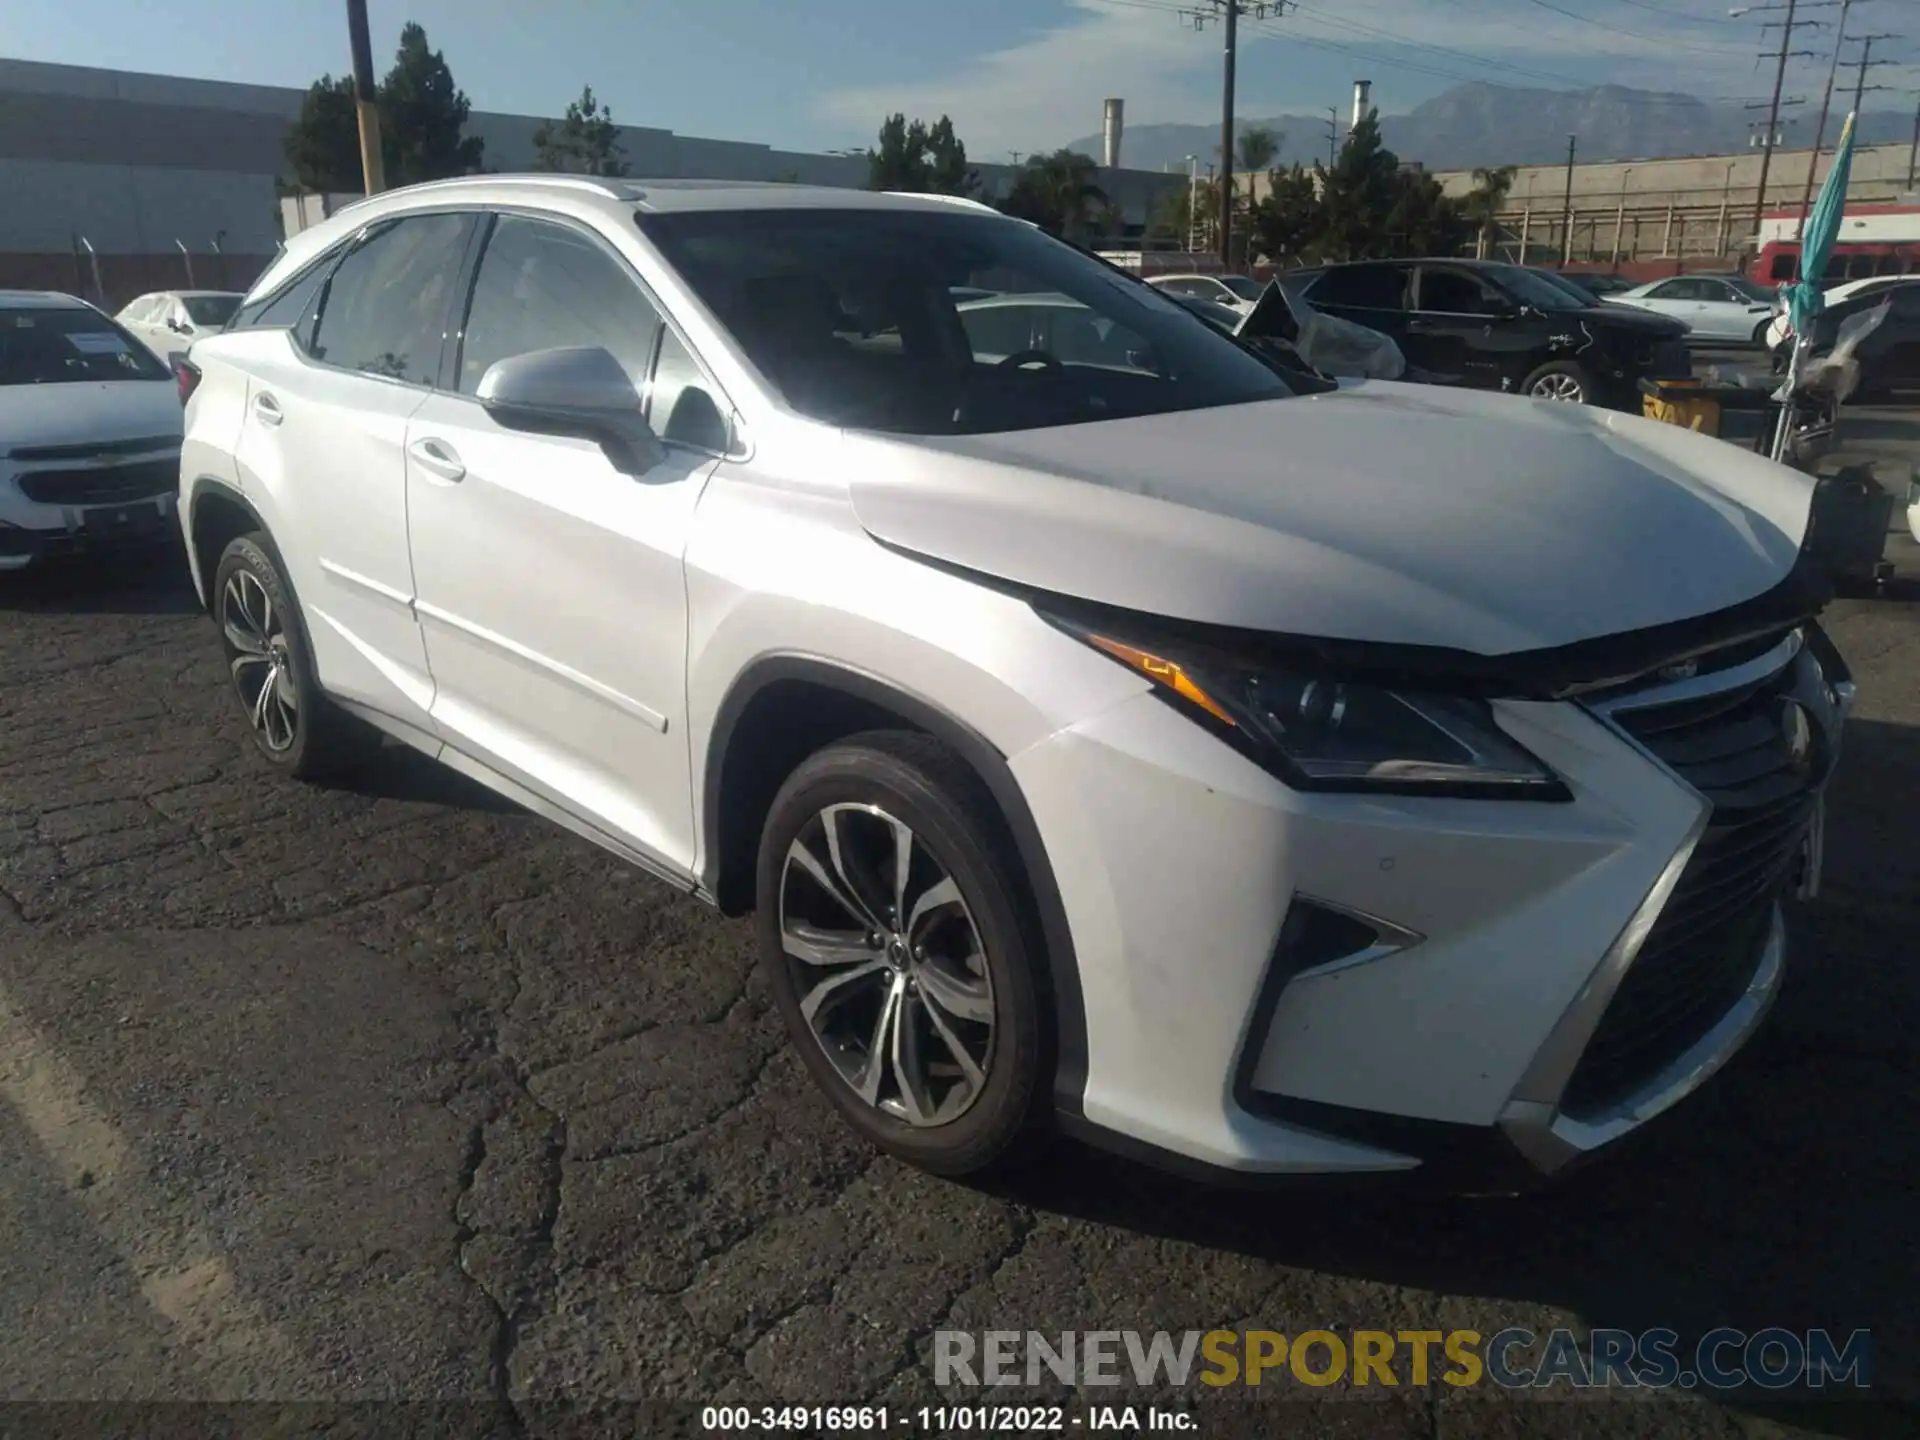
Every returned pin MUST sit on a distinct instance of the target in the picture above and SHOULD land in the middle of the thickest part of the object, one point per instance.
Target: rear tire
(294, 727)
(1567, 381)
(911, 997)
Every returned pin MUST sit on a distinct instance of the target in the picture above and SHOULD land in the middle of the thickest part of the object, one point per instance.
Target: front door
(550, 586)
(1472, 331)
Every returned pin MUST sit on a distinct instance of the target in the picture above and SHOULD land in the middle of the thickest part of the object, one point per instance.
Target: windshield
(853, 316)
(59, 346)
(1537, 290)
(1573, 287)
(1752, 289)
(1243, 287)
(211, 310)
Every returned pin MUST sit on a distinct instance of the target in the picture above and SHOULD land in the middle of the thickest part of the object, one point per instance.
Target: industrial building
(146, 180)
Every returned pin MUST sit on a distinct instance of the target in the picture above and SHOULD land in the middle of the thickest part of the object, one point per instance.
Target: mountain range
(1481, 124)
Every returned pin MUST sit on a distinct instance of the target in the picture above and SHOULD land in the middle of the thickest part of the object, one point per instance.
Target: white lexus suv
(1379, 780)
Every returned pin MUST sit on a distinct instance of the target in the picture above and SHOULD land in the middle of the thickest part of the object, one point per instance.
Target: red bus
(1875, 239)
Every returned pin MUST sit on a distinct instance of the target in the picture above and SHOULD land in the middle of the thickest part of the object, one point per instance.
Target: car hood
(80, 412)
(1385, 513)
(1623, 315)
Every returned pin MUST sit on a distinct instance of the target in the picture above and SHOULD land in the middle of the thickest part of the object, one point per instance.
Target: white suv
(1350, 781)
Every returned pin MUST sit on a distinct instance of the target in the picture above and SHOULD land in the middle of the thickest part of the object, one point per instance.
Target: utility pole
(1230, 11)
(1333, 136)
(1913, 155)
(1786, 28)
(1226, 135)
(1867, 62)
(365, 108)
(1566, 238)
(1826, 104)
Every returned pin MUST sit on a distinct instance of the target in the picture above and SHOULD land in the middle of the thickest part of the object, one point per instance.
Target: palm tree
(1057, 192)
(1257, 148)
(1485, 202)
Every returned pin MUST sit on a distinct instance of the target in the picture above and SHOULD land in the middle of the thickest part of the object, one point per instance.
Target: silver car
(1728, 308)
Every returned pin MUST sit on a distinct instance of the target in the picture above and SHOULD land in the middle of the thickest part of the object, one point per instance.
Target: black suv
(1502, 327)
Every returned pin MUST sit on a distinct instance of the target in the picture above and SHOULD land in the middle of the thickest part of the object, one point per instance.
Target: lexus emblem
(1796, 729)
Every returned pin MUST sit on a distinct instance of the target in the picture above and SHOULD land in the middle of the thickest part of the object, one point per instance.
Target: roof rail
(591, 184)
(965, 200)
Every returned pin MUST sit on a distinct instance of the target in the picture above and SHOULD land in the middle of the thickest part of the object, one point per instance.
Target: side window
(1782, 268)
(1718, 291)
(997, 331)
(286, 304)
(541, 286)
(680, 407)
(141, 310)
(384, 308)
(1673, 290)
(1364, 287)
(1453, 292)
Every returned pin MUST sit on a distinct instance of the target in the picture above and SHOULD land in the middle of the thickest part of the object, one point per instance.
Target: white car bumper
(1279, 982)
(60, 504)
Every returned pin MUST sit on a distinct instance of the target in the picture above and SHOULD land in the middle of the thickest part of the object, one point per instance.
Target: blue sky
(819, 74)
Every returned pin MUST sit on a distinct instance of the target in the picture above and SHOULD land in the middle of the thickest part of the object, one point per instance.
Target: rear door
(322, 447)
(1467, 331)
(550, 584)
(1374, 294)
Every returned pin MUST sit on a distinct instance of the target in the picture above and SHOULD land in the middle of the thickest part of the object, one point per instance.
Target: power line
(1635, 34)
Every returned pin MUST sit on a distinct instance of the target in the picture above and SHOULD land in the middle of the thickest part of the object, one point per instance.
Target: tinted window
(1674, 290)
(850, 314)
(384, 308)
(210, 310)
(62, 346)
(288, 303)
(1530, 288)
(1782, 267)
(542, 286)
(1365, 287)
(1455, 292)
(997, 331)
(680, 406)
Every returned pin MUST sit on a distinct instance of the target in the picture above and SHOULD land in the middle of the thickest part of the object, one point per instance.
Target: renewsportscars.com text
(1725, 1359)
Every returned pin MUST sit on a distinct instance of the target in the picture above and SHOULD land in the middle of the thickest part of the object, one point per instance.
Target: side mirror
(179, 327)
(573, 390)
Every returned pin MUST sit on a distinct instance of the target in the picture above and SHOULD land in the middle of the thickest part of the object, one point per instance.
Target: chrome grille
(1733, 747)
(102, 484)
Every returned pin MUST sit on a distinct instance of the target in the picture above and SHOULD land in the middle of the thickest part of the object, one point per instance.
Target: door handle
(267, 410)
(436, 457)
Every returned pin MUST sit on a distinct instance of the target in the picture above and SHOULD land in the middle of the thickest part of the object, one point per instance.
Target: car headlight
(1318, 732)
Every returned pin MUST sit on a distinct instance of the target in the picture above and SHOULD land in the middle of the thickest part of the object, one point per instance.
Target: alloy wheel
(259, 660)
(887, 964)
(1559, 387)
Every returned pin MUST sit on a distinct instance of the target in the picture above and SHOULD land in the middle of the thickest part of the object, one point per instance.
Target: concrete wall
(1879, 173)
(134, 162)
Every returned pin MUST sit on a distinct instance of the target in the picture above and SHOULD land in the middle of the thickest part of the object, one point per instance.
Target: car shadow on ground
(395, 771)
(130, 582)
(1780, 1195)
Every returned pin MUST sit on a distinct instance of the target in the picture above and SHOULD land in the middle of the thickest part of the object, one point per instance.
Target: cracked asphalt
(394, 1092)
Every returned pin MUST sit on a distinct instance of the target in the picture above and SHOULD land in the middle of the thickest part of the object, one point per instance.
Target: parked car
(1235, 292)
(1848, 290)
(167, 321)
(1268, 783)
(1501, 327)
(1602, 286)
(89, 432)
(1889, 357)
(1729, 308)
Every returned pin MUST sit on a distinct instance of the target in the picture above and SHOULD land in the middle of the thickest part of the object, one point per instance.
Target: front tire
(896, 953)
(1564, 380)
(270, 666)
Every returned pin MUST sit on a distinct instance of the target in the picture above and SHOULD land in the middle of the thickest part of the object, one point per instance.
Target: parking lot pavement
(395, 1092)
